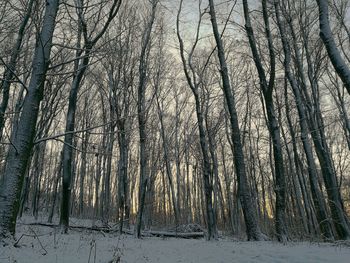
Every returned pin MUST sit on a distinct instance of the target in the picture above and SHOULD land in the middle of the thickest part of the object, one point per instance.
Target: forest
(211, 118)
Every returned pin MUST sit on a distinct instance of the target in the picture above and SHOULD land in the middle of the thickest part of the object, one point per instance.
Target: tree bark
(316, 127)
(206, 166)
(81, 65)
(273, 126)
(252, 227)
(338, 62)
(168, 167)
(321, 213)
(141, 113)
(11, 67)
(22, 140)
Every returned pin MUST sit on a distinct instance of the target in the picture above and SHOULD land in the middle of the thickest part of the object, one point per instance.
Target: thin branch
(53, 137)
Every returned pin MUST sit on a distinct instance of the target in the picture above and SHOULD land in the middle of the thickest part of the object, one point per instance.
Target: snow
(47, 244)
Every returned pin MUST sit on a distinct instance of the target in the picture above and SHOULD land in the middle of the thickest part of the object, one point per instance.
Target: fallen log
(92, 228)
(175, 234)
(147, 233)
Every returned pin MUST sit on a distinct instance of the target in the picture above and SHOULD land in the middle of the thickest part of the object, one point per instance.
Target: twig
(36, 236)
(70, 132)
(33, 236)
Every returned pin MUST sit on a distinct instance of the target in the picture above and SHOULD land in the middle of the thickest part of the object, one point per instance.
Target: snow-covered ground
(46, 245)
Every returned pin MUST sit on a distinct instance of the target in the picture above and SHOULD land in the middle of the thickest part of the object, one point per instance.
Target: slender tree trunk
(188, 188)
(141, 113)
(81, 65)
(68, 144)
(252, 227)
(57, 173)
(22, 140)
(345, 118)
(122, 173)
(177, 161)
(273, 125)
(321, 214)
(207, 178)
(85, 142)
(168, 167)
(292, 171)
(11, 67)
(316, 127)
(229, 201)
(36, 174)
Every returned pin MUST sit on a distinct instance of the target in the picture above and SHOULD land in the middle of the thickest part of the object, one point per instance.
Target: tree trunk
(339, 64)
(168, 167)
(81, 65)
(68, 143)
(316, 127)
(252, 227)
(22, 140)
(85, 142)
(141, 113)
(11, 67)
(122, 173)
(321, 213)
(273, 126)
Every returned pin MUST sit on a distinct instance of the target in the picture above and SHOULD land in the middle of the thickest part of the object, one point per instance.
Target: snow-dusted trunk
(177, 159)
(316, 127)
(338, 62)
(122, 173)
(252, 228)
(85, 142)
(57, 173)
(122, 123)
(274, 130)
(81, 65)
(335, 202)
(317, 196)
(346, 121)
(22, 140)
(280, 184)
(106, 200)
(219, 198)
(206, 203)
(207, 178)
(168, 167)
(228, 190)
(272, 121)
(11, 67)
(68, 142)
(141, 113)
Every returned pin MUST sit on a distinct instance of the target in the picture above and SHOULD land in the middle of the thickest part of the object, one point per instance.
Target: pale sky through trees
(135, 131)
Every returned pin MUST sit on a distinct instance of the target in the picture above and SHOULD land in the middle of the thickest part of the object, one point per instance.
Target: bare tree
(142, 114)
(22, 139)
(252, 228)
(317, 196)
(10, 71)
(81, 63)
(194, 84)
(267, 87)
